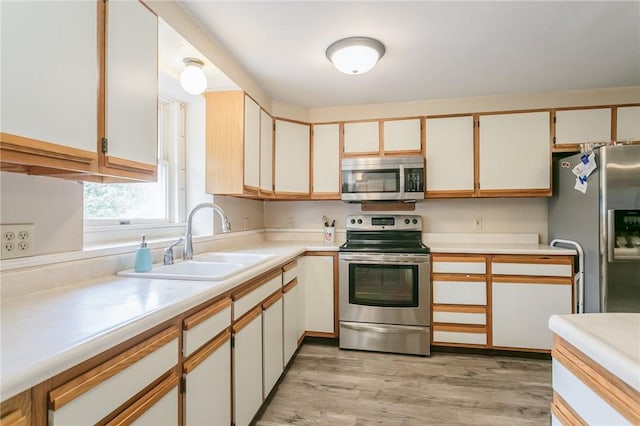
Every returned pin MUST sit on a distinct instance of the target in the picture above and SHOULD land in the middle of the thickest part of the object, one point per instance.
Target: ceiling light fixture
(192, 78)
(355, 55)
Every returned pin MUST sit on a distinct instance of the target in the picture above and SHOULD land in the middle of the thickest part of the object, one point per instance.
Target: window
(136, 204)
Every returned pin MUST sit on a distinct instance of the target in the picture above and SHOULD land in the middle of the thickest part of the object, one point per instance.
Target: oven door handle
(384, 259)
(376, 329)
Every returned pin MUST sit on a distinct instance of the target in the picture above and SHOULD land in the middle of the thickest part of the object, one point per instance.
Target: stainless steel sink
(216, 266)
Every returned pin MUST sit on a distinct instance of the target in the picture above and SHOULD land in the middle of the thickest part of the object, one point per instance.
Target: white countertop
(610, 339)
(46, 332)
(499, 248)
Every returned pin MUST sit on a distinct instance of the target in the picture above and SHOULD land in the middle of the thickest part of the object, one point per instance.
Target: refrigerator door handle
(611, 237)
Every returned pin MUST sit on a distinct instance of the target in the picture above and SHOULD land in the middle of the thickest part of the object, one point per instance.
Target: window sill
(103, 236)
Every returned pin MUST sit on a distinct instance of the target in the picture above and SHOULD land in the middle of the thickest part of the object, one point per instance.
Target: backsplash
(498, 215)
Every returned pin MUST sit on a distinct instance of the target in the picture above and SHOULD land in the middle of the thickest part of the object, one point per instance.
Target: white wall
(195, 128)
(53, 205)
(239, 209)
(608, 96)
(499, 215)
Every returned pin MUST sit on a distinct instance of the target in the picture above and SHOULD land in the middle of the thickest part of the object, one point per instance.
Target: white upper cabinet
(326, 161)
(362, 138)
(449, 152)
(582, 126)
(402, 135)
(49, 72)
(131, 83)
(251, 143)
(515, 153)
(292, 158)
(266, 152)
(628, 124)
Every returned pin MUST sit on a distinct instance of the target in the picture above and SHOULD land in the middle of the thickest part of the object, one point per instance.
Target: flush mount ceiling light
(192, 78)
(355, 55)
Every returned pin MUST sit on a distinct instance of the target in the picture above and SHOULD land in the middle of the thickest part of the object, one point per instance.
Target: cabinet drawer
(460, 292)
(246, 299)
(532, 269)
(290, 272)
(460, 335)
(459, 265)
(96, 393)
(203, 326)
(476, 315)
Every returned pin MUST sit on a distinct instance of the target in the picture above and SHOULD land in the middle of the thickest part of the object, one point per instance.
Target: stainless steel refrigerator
(605, 220)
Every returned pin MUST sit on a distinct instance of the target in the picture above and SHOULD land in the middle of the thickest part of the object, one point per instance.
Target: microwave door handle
(402, 187)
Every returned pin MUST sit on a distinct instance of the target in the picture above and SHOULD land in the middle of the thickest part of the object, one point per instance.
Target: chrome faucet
(187, 253)
(167, 254)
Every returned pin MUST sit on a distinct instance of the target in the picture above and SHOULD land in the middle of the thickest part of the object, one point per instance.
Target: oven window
(362, 181)
(383, 285)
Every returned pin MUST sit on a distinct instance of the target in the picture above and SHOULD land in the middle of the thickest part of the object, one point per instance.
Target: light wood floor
(329, 386)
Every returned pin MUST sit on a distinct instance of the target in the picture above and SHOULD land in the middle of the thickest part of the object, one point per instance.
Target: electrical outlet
(17, 240)
(246, 223)
(290, 222)
(477, 223)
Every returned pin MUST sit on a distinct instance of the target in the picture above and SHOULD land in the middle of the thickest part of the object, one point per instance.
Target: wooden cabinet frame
(576, 147)
(47, 158)
(381, 152)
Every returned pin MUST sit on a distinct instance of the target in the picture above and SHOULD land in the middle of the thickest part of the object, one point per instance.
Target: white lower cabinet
(272, 344)
(247, 367)
(207, 399)
(521, 311)
(319, 294)
(290, 307)
(158, 407)
(90, 397)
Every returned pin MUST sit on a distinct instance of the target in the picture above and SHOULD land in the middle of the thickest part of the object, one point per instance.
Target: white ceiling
(173, 48)
(434, 49)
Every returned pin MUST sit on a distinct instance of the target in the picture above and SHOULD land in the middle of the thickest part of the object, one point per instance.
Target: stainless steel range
(384, 285)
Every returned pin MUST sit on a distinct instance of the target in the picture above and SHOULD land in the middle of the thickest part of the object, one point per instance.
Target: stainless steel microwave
(382, 178)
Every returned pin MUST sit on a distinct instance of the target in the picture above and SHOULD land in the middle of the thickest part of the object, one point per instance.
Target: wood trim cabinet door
(91, 396)
(131, 113)
(319, 295)
(514, 154)
(361, 138)
(266, 153)
(402, 136)
(450, 156)
(292, 159)
(272, 339)
(576, 126)
(225, 144)
(251, 143)
(49, 115)
(247, 367)
(628, 124)
(460, 315)
(325, 161)
(158, 407)
(207, 396)
(521, 310)
(290, 312)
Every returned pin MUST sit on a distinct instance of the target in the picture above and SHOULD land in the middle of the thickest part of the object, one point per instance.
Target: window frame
(171, 169)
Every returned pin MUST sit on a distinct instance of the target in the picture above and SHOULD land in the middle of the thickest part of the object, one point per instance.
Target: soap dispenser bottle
(143, 260)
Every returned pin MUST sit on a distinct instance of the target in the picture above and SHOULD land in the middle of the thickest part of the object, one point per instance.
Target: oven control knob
(353, 221)
(406, 221)
(359, 221)
(415, 221)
